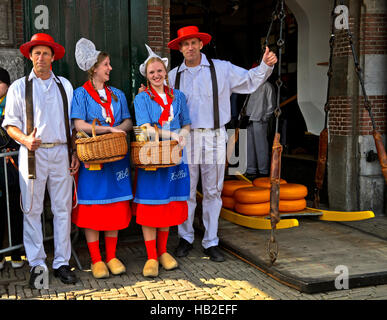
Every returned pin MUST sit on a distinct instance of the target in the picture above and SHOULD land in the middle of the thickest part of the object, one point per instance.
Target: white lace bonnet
(151, 55)
(86, 54)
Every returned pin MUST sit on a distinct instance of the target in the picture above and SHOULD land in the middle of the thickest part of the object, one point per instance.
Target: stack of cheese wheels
(292, 195)
(264, 182)
(229, 186)
(254, 200)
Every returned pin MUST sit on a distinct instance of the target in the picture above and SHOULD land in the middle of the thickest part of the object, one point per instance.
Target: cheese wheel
(252, 195)
(228, 202)
(253, 209)
(229, 186)
(292, 205)
(293, 191)
(265, 182)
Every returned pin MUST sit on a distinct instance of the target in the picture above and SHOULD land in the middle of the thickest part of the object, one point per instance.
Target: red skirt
(161, 215)
(103, 217)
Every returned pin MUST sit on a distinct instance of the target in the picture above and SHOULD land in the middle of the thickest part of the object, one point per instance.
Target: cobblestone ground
(197, 278)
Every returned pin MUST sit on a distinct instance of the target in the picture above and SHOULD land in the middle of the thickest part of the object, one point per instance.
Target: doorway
(238, 29)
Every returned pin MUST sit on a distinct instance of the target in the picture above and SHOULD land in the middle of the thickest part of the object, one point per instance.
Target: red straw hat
(188, 33)
(42, 39)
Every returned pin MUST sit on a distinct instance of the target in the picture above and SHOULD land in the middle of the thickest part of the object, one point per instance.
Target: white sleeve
(14, 115)
(247, 81)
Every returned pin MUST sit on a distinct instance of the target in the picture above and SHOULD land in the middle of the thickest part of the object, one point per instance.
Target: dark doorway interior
(238, 29)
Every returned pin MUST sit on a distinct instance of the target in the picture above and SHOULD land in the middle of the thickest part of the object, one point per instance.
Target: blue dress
(112, 184)
(165, 186)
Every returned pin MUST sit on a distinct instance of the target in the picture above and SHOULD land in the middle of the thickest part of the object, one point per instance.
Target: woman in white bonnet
(104, 190)
(161, 195)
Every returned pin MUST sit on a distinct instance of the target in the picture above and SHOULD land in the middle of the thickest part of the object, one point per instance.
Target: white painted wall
(313, 19)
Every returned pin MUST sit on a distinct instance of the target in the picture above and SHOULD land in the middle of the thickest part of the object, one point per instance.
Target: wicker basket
(152, 155)
(101, 149)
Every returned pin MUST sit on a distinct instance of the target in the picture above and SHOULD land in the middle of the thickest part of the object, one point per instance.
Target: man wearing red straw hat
(36, 117)
(208, 85)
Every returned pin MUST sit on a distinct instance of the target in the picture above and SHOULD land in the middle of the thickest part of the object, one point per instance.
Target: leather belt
(51, 145)
(204, 129)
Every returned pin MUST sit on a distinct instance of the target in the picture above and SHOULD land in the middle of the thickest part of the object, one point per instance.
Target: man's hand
(179, 138)
(31, 142)
(141, 89)
(269, 57)
(74, 164)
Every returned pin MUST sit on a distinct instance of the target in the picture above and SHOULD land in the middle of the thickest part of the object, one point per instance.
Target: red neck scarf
(106, 105)
(165, 114)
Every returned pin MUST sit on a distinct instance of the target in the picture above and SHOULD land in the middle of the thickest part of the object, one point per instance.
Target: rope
(75, 192)
(32, 198)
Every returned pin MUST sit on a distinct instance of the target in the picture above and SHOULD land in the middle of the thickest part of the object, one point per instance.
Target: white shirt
(48, 107)
(163, 96)
(196, 84)
(102, 94)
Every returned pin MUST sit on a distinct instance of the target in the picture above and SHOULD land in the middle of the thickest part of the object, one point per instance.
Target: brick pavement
(197, 278)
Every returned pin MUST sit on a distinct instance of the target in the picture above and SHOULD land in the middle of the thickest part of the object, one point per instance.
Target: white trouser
(52, 168)
(206, 154)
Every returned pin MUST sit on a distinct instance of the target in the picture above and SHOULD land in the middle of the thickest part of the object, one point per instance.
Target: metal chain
(358, 71)
(330, 66)
(274, 17)
(278, 14)
(280, 44)
(327, 107)
(377, 137)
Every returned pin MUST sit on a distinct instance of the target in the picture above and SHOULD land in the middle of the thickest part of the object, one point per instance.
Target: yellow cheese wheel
(292, 205)
(253, 209)
(252, 195)
(265, 182)
(228, 202)
(293, 191)
(229, 186)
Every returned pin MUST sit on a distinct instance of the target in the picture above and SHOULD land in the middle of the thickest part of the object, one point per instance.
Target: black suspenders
(66, 117)
(30, 122)
(30, 127)
(215, 96)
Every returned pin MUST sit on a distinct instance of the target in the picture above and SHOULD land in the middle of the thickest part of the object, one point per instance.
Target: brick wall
(379, 112)
(373, 35)
(372, 41)
(373, 38)
(342, 46)
(18, 16)
(340, 123)
(159, 26)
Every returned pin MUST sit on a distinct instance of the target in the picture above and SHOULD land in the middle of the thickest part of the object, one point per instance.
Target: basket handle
(157, 136)
(93, 127)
